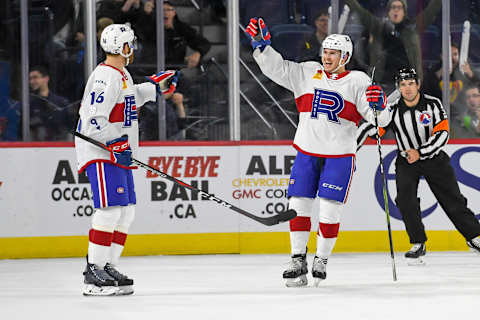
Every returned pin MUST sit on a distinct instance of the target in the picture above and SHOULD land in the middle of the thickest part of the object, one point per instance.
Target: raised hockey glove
(258, 33)
(166, 81)
(120, 151)
(376, 97)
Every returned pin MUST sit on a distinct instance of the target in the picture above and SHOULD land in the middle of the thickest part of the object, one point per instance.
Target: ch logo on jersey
(130, 111)
(425, 118)
(327, 102)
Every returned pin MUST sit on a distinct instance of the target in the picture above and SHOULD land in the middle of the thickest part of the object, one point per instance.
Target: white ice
(247, 287)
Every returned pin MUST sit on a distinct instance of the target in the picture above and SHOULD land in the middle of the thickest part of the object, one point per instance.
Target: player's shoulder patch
(314, 68)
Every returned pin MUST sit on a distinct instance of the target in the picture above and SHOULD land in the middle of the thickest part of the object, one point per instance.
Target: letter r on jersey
(327, 102)
(130, 111)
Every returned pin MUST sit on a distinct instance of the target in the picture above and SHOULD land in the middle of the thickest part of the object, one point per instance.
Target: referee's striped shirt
(423, 127)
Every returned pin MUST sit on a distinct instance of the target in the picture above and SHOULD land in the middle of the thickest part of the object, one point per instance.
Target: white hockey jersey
(330, 105)
(109, 109)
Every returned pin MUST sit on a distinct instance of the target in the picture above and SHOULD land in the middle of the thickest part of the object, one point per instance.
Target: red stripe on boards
(101, 238)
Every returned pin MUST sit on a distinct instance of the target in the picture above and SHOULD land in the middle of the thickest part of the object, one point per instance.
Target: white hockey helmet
(115, 36)
(340, 42)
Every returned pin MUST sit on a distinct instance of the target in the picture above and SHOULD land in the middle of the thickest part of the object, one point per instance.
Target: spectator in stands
(50, 118)
(120, 11)
(394, 42)
(311, 44)
(178, 36)
(469, 124)
(458, 81)
(175, 123)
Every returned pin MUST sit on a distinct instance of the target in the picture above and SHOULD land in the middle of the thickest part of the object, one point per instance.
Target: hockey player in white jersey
(330, 101)
(109, 114)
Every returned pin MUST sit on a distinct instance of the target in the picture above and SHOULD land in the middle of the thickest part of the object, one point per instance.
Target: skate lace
(416, 247)
(320, 264)
(98, 273)
(110, 269)
(476, 242)
(295, 263)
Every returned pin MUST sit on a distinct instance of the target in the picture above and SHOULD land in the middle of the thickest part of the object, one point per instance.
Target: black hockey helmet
(406, 74)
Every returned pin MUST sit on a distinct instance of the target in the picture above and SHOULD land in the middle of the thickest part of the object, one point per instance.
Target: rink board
(45, 207)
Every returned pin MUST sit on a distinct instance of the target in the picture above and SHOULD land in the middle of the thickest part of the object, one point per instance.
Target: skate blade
(474, 250)
(316, 281)
(93, 290)
(297, 282)
(124, 290)
(415, 261)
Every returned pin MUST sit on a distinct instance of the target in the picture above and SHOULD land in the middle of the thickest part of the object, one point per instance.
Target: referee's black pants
(442, 181)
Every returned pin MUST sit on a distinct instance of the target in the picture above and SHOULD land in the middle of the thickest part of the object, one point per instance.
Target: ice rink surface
(248, 287)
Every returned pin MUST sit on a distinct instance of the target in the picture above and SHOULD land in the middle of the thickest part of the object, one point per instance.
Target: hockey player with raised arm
(109, 114)
(330, 101)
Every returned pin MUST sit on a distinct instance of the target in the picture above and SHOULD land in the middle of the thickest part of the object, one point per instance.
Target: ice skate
(319, 270)
(125, 284)
(98, 282)
(296, 273)
(415, 256)
(474, 244)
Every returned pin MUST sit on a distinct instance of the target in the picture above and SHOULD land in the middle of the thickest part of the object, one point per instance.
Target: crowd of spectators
(460, 78)
(385, 35)
(57, 50)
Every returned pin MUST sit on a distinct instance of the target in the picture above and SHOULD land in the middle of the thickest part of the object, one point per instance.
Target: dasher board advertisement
(46, 197)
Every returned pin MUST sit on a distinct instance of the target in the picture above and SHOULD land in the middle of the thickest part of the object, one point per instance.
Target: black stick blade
(287, 215)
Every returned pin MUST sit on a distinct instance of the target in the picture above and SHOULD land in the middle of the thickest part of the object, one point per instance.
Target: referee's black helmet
(406, 74)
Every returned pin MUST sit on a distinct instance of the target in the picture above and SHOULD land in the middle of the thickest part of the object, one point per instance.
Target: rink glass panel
(205, 88)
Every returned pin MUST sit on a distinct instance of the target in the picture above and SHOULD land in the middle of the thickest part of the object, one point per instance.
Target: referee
(421, 129)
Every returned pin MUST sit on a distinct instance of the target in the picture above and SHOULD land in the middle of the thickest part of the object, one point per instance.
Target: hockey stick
(464, 45)
(269, 221)
(384, 182)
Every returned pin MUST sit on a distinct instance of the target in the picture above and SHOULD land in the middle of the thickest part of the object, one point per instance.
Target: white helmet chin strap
(339, 66)
(127, 56)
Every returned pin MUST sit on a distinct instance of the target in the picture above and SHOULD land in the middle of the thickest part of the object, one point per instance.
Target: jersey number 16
(99, 98)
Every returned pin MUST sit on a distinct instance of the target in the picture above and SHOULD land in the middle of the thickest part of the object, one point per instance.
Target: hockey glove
(376, 97)
(166, 81)
(258, 33)
(120, 151)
